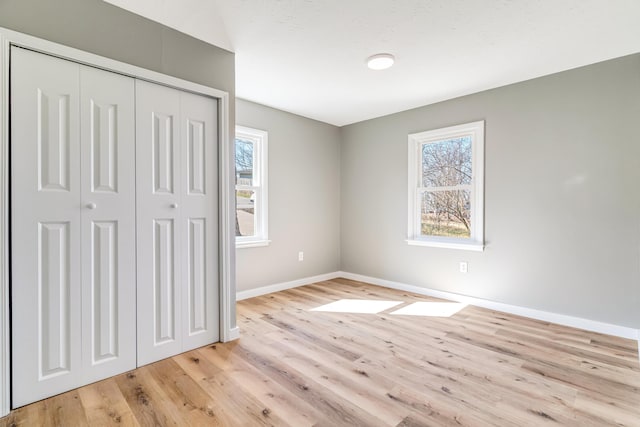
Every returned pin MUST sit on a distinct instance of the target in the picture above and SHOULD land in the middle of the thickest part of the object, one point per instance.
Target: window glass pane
(245, 213)
(446, 163)
(244, 162)
(446, 213)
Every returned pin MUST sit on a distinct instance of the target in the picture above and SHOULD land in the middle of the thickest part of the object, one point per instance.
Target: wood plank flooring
(297, 367)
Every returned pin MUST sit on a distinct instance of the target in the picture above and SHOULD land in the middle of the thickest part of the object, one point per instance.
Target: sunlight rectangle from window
(361, 306)
(431, 309)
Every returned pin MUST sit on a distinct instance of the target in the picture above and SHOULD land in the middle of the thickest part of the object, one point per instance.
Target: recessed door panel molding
(197, 276)
(45, 248)
(104, 146)
(196, 157)
(163, 153)
(54, 299)
(164, 282)
(107, 112)
(104, 291)
(53, 140)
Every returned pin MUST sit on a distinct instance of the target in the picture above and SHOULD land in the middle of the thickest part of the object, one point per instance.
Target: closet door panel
(199, 221)
(108, 223)
(158, 205)
(45, 226)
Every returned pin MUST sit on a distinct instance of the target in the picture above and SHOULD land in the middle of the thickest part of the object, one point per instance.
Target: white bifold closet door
(72, 222)
(177, 224)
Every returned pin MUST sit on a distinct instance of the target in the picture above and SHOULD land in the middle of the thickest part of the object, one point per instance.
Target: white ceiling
(308, 56)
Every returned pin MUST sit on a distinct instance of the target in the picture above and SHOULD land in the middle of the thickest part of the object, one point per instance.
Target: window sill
(471, 246)
(252, 244)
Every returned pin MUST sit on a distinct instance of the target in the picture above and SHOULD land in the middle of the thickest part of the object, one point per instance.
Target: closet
(114, 201)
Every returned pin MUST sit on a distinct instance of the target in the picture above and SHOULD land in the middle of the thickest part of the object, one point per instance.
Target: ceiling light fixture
(381, 61)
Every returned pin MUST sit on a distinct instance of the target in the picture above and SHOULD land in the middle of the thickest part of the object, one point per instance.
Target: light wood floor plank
(105, 405)
(274, 397)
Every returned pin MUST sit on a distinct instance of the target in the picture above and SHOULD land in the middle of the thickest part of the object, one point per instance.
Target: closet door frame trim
(8, 38)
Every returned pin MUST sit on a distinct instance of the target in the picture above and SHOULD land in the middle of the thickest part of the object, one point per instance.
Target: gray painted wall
(106, 30)
(562, 207)
(304, 199)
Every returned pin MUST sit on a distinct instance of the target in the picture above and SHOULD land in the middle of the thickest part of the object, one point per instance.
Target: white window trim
(476, 241)
(260, 139)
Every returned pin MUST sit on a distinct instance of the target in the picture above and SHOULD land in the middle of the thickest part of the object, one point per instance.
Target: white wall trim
(448, 245)
(263, 290)
(226, 229)
(260, 186)
(416, 187)
(5, 333)
(10, 38)
(560, 319)
(252, 244)
(234, 333)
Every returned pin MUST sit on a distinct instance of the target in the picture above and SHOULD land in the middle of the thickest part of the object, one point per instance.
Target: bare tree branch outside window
(446, 180)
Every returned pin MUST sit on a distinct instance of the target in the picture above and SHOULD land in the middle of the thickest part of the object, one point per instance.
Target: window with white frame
(251, 187)
(446, 186)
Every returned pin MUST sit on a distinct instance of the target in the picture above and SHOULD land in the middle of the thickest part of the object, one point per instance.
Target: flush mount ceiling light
(381, 61)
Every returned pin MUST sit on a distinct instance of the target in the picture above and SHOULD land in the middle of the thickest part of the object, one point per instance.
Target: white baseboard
(233, 334)
(256, 292)
(561, 319)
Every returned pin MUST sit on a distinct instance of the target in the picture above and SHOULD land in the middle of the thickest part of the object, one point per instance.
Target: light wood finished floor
(297, 367)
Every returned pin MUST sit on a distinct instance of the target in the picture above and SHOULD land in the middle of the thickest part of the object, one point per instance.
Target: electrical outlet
(300, 256)
(463, 267)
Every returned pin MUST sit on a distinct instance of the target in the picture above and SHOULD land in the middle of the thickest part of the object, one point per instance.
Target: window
(251, 187)
(446, 185)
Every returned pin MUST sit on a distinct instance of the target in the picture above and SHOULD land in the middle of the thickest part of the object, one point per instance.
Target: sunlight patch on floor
(431, 309)
(362, 306)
